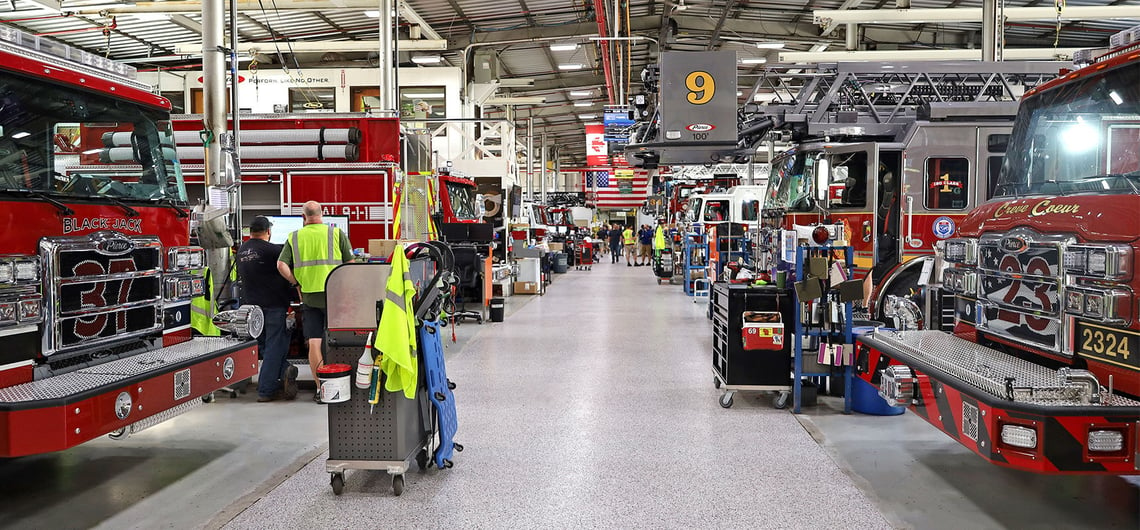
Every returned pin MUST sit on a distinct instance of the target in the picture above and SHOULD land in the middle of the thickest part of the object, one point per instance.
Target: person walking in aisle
(602, 236)
(308, 257)
(644, 239)
(629, 242)
(263, 286)
(615, 242)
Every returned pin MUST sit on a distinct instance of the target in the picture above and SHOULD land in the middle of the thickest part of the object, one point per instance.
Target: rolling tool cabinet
(736, 368)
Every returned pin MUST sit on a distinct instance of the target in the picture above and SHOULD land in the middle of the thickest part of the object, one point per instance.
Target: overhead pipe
(600, 15)
(971, 14)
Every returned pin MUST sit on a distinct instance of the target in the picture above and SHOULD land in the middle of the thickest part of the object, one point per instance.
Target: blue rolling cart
(695, 243)
(802, 331)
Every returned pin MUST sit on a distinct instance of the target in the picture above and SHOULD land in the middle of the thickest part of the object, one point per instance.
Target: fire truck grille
(105, 288)
(1019, 289)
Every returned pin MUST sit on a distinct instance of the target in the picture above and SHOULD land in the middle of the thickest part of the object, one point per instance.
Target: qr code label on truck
(182, 384)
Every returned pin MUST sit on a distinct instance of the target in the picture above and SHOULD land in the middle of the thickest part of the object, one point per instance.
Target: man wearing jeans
(263, 286)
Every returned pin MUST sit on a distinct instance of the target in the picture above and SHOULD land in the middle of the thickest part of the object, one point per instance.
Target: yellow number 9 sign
(701, 87)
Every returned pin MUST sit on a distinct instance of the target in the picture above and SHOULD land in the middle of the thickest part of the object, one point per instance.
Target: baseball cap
(260, 224)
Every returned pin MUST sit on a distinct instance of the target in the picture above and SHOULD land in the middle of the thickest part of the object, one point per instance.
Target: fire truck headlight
(1074, 302)
(7, 272)
(1073, 260)
(962, 250)
(1106, 441)
(8, 312)
(1094, 305)
(1019, 436)
(182, 260)
(197, 259)
(1097, 261)
(27, 270)
(30, 309)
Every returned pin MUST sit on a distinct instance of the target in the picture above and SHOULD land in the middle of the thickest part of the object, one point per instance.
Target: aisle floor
(593, 406)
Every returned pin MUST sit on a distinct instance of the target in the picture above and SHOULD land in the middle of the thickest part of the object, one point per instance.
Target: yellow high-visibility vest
(659, 238)
(396, 334)
(316, 252)
(202, 310)
(627, 236)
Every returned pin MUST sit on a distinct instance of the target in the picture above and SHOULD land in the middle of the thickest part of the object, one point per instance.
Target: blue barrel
(864, 396)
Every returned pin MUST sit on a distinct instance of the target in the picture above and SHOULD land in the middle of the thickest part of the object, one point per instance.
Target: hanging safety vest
(316, 252)
(396, 334)
(202, 309)
(659, 238)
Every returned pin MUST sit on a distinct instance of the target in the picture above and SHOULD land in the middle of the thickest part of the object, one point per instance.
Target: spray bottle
(364, 366)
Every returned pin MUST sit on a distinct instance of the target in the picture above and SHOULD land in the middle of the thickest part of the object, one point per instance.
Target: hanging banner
(596, 144)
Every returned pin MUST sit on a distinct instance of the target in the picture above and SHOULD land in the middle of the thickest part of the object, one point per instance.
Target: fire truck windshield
(462, 201)
(1079, 137)
(71, 143)
(787, 185)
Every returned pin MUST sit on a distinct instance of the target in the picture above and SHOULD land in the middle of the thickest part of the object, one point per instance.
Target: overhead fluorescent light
(581, 93)
(25, 134)
(588, 116)
(425, 95)
(1113, 95)
(753, 60)
(374, 13)
(770, 45)
(564, 47)
(426, 59)
(591, 104)
(571, 66)
(960, 54)
(819, 47)
(515, 100)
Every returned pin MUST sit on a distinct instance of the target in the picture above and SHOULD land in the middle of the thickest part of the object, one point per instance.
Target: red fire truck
(1042, 371)
(96, 265)
(897, 155)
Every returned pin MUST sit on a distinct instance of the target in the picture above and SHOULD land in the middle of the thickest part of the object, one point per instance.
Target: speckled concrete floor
(593, 407)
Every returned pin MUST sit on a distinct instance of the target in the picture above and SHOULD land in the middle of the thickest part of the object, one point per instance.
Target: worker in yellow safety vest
(629, 241)
(306, 260)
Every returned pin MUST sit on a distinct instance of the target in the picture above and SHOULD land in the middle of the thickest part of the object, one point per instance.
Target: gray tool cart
(389, 435)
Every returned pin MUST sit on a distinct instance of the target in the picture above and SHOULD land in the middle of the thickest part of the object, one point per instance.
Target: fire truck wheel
(398, 485)
(337, 483)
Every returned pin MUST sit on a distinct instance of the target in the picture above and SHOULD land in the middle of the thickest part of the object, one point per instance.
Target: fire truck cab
(1042, 372)
(97, 268)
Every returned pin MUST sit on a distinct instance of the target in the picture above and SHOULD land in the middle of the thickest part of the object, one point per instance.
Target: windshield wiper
(170, 202)
(131, 212)
(63, 209)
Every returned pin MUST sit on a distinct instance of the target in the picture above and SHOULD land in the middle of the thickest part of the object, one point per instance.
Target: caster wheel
(726, 401)
(208, 398)
(448, 464)
(118, 435)
(458, 447)
(440, 397)
(422, 459)
(450, 385)
(337, 483)
(716, 382)
(398, 485)
(781, 400)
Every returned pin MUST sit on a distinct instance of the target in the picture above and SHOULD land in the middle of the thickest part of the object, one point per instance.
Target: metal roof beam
(971, 14)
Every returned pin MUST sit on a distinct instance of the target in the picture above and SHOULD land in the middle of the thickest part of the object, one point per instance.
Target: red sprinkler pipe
(600, 15)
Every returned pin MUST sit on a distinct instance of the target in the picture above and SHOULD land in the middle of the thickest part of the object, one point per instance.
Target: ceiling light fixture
(426, 59)
(564, 47)
(571, 66)
(426, 95)
(770, 45)
(588, 116)
(583, 103)
(372, 13)
(581, 93)
(753, 60)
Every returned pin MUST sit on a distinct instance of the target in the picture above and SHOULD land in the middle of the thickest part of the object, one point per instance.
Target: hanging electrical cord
(297, 78)
(1059, 5)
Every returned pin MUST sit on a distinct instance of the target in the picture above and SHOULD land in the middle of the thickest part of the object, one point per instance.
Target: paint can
(336, 382)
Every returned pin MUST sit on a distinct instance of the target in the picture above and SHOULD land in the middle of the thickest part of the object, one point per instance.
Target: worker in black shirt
(263, 286)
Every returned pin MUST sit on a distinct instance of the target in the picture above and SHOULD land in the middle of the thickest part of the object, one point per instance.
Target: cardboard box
(381, 248)
(555, 247)
(526, 287)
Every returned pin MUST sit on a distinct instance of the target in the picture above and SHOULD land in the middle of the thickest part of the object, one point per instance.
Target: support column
(387, 62)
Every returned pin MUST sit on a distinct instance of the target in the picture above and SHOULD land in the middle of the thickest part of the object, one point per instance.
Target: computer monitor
(283, 225)
(467, 232)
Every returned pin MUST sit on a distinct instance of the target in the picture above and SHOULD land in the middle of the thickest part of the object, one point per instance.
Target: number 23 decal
(701, 87)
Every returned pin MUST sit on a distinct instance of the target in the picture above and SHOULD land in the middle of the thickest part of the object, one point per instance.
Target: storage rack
(740, 242)
(801, 330)
(696, 258)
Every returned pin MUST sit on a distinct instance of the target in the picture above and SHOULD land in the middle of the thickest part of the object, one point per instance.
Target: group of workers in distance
(273, 276)
(639, 248)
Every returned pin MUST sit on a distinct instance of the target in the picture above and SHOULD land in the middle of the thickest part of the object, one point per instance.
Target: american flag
(609, 192)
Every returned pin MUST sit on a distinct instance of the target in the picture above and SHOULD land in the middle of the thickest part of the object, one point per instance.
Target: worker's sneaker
(317, 398)
(289, 392)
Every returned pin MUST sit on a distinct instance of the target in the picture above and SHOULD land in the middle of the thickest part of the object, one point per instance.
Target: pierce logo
(1015, 245)
(115, 246)
(700, 127)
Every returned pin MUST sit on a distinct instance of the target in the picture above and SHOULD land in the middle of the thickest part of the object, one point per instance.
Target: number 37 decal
(701, 87)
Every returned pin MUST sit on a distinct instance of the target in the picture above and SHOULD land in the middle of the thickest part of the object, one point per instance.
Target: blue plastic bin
(864, 396)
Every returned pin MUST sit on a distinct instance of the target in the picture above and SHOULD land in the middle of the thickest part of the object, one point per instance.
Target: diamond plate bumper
(960, 388)
(63, 411)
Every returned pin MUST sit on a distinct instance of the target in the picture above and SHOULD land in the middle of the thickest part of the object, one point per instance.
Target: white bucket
(336, 383)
